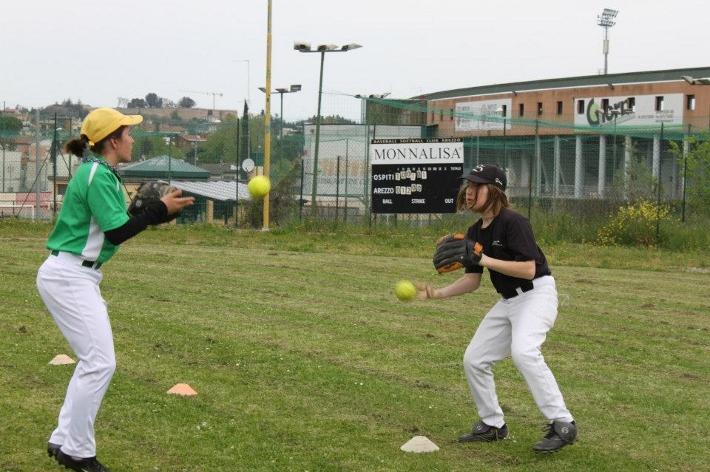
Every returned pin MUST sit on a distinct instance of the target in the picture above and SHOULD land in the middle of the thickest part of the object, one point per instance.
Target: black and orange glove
(149, 194)
(454, 252)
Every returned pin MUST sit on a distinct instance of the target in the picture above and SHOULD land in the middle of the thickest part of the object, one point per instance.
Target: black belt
(89, 264)
(524, 287)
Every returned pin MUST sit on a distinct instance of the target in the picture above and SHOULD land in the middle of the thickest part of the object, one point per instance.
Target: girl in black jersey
(502, 241)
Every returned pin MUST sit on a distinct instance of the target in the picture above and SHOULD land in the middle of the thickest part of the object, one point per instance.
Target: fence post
(686, 150)
(38, 169)
(659, 184)
(478, 150)
(530, 177)
(300, 202)
(345, 215)
(337, 187)
(538, 161)
(55, 144)
(613, 153)
(367, 174)
(557, 170)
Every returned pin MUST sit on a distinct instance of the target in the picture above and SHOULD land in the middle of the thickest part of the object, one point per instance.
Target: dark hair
(497, 199)
(80, 146)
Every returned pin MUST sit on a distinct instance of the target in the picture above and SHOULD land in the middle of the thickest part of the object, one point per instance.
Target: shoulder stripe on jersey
(94, 168)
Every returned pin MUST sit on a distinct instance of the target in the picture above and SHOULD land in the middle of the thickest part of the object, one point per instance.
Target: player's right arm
(469, 282)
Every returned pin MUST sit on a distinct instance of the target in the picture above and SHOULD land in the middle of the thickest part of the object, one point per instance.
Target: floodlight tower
(606, 21)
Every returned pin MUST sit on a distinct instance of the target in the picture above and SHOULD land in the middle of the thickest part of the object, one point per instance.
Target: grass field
(304, 360)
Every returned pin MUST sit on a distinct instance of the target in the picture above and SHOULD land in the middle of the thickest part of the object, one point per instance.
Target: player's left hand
(455, 252)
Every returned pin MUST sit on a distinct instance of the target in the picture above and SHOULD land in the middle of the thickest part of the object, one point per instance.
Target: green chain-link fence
(555, 167)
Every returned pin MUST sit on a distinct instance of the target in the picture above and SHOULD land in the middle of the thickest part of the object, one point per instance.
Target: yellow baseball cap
(103, 121)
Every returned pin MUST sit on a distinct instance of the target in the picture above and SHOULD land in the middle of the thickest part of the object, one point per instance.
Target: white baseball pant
(72, 296)
(516, 327)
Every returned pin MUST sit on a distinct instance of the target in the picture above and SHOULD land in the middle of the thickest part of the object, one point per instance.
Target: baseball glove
(149, 193)
(454, 252)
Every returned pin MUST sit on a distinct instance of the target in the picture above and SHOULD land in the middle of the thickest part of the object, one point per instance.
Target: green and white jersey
(93, 204)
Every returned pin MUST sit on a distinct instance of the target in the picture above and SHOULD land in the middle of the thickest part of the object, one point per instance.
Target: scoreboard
(416, 175)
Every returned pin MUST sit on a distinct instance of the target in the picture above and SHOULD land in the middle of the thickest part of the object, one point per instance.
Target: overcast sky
(98, 51)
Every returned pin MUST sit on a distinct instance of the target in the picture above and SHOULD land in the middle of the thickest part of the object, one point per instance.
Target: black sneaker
(559, 434)
(483, 433)
(89, 464)
(53, 449)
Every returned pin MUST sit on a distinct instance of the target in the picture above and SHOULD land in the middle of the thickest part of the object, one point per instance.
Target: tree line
(152, 100)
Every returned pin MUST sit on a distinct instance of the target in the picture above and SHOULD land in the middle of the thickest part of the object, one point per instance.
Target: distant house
(221, 171)
(186, 140)
(189, 143)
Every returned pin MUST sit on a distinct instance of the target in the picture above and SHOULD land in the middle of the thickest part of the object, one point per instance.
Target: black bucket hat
(487, 174)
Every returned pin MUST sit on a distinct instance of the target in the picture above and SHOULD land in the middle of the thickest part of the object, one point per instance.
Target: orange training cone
(182, 389)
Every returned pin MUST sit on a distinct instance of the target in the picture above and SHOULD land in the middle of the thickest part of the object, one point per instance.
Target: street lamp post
(322, 49)
(281, 91)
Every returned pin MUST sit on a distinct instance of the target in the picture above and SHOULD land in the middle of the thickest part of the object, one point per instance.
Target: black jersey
(509, 237)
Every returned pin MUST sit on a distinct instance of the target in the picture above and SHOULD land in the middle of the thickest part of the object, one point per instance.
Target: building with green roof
(162, 167)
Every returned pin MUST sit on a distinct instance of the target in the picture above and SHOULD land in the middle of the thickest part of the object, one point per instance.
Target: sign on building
(640, 110)
(416, 175)
(483, 115)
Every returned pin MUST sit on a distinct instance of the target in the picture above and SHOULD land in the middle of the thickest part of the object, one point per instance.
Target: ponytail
(78, 147)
